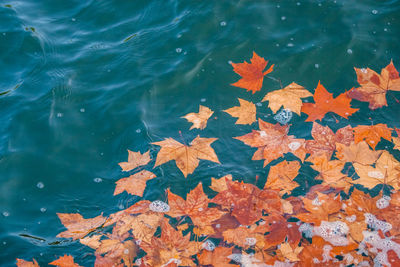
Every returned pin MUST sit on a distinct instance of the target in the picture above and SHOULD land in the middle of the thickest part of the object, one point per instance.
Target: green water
(83, 81)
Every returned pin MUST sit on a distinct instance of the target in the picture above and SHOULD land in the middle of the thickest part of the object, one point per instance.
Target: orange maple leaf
(77, 226)
(374, 86)
(281, 175)
(134, 184)
(273, 142)
(372, 134)
(135, 159)
(217, 257)
(252, 73)
(199, 119)
(186, 157)
(65, 261)
(116, 251)
(324, 103)
(24, 263)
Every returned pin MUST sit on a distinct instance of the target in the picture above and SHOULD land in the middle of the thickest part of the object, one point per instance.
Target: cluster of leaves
(336, 223)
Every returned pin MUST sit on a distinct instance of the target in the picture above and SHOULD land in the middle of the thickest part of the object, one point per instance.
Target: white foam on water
(159, 206)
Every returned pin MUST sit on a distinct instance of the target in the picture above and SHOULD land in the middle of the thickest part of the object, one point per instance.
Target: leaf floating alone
(252, 73)
(186, 157)
(246, 112)
(65, 261)
(374, 86)
(24, 263)
(288, 97)
(77, 226)
(134, 184)
(324, 103)
(372, 134)
(199, 119)
(135, 159)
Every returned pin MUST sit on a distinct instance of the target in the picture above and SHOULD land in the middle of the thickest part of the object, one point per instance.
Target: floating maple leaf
(360, 153)
(374, 86)
(199, 119)
(372, 134)
(134, 184)
(280, 177)
(135, 159)
(396, 140)
(219, 185)
(386, 171)
(273, 142)
(217, 257)
(324, 103)
(246, 112)
(186, 157)
(288, 97)
(252, 73)
(116, 251)
(77, 226)
(65, 261)
(325, 140)
(24, 263)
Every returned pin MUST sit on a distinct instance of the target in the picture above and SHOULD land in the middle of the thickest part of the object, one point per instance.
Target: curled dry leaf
(324, 103)
(77, 226)
(272, 142)
(357, 153)
(324, 143)
(281, 175)
(134, 184)
(186, 157)
(24, 263)
(246, 112)
(386, 171)
(252, 73)
(374, 86)
(65, 261)
(372, 134)
(135, 159)
(199, 119)
(288, 97)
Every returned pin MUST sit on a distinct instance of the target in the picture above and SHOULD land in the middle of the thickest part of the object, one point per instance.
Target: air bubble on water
(126, 251)
(263, 134)
(43, 209)
(298, 3)
(59, 115)
(73, 19)
(250, 241)
(102, 154)
(259, 104)
(307, 230)
(4, 243)
(319, 4)
(364, 70)
(294, 145)
(230, 62)
(377, 224)
(98, 180)
(203, 100)
(351, 218)
(6, 213)
(385, 29)
(383, 202)
(376, 174)
(349, 51)
(333, 232)
(159, 206)
(178, 50)
(218, 225)
(374, 11)
(121, 206)
(82, 110)
(223, 23)
(208, 245)
(178, 35)
(277, 45)
(283, 116)
(138, 131)
(278, 6)
(316, 66)
(283, 18)
(40, 185)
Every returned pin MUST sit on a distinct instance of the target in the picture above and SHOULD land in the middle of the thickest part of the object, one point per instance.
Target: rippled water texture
(82, 81)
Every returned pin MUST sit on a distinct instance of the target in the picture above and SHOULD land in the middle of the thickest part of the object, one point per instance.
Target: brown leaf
(65, 261)
(199, 119)
(252, 73)
(135, 159)
(118, 251)
(217, 258)
(186, 157)
(374, 86)
(77, 226)
(134, 184)
(246, 112)
(288, 97)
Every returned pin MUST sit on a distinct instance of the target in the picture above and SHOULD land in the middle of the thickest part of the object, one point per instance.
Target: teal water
(83, 81)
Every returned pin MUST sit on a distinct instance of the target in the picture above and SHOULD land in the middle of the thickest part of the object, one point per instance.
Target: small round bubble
(159, 206)
(40, 185)
(97, 180)
(208, 245)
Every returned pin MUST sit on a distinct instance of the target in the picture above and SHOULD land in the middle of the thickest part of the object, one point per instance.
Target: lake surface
(83, 81)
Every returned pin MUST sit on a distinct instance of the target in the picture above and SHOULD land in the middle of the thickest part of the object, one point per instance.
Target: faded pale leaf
(288, 97)
(135, 159)
(289, 253)
(77, 226)
(357, 153)
(91, 241)
(199, 119)
(134, 184)
(246, 112)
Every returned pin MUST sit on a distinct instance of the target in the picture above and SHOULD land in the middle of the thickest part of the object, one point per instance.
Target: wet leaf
(135, 159)
(252, 73)
(374, 86)
(288, 97)
(199, 119)
(372, 134)
(280, 177)
(117, 251)
(357, 153)
(220, 184)
(65, 261)
(246, 112)
(186, 157)
(24, 263)
(217, 258)
(77, 226)
(134, 184)
(324, 103)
